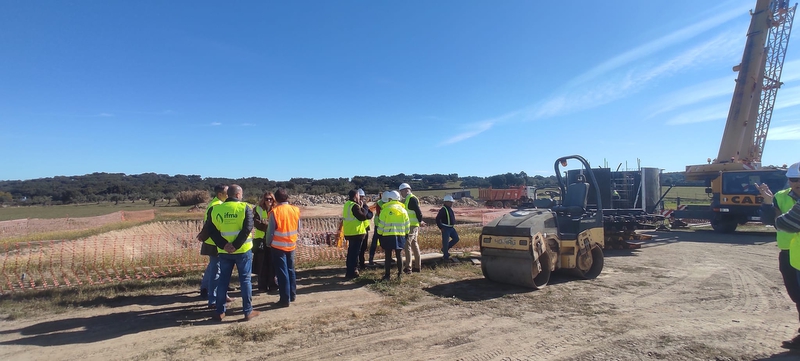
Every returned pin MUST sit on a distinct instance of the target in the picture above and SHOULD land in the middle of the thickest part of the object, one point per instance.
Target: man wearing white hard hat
(782, 211)
(446, 220)
(411, 202)
(393, 226)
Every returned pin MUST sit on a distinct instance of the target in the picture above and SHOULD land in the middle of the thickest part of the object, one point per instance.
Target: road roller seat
(574, 203)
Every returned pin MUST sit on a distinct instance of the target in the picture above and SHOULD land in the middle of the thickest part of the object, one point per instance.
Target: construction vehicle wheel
(484, 271)
(543, 277)
(508, 204)
(596, 266)
(725, 225)
(498, 204)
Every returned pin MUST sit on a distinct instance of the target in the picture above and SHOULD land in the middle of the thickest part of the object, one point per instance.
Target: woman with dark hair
(262, 264)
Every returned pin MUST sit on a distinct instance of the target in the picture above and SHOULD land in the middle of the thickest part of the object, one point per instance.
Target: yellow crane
(731, 177)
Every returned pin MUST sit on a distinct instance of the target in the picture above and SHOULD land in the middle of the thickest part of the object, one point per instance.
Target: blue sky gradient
(342, 88)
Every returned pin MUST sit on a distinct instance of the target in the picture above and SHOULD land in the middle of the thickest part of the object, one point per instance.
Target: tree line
(119, 187)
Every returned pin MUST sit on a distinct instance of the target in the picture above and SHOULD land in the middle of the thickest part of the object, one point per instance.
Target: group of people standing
(233, 231)
(397, 219)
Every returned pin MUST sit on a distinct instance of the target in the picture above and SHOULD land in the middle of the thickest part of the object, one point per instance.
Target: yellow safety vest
(393, 220)
(215, 201)
(785, 203)
(228, 217)
(351, 225)
(263, 214)
(412, 216)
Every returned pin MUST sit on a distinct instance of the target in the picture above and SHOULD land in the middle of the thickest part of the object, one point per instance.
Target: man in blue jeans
(230, 226)
(282, 232)
(446, 221)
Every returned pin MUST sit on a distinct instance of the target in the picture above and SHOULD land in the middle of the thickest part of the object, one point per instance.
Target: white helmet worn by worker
(403, 186)
(793, 171)
(390, 195)
(361, 192)
(448, 198)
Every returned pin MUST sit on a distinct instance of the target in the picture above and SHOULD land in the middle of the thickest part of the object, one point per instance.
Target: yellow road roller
(523, 247)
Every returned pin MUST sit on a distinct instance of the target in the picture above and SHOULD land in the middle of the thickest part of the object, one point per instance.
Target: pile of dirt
(306, 200)
(463, 202)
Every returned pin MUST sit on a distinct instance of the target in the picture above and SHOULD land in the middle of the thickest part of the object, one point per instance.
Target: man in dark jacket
(446, 221)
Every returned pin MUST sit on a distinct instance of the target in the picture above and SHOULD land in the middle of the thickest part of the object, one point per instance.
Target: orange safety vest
(287, 220)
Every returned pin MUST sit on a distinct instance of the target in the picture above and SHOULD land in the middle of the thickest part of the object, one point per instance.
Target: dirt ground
(682, 296)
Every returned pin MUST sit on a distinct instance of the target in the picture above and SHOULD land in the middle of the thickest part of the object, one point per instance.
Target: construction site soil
(684, 295)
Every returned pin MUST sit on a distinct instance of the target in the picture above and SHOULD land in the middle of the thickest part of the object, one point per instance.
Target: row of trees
(119, 187)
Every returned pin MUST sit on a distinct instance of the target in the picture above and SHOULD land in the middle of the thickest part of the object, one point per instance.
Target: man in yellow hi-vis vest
(411, 202)
(781, 210)
(355, 230)
(208, 286)
(230, 226)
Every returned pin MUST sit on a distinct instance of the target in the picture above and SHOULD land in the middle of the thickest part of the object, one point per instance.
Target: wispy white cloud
(248, 125)
(105, 115)
(215, 124)
(695, 94)
(657, 45)
(705, 114)
(786, 132)
(476, 129)
(621, 85)
(787, 97)
(584, 92)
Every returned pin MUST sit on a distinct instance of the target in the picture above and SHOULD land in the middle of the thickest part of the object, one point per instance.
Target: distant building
(461, 194)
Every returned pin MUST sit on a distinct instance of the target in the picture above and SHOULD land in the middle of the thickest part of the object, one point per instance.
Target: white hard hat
(448, 198)
(390, 195)
(361, 192)
(404, 186)
(793, 171)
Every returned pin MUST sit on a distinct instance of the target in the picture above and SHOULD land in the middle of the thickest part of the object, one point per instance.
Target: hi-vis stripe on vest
(449, 221)
(393, 220)
(213, 202)
(350, 224)
(287, 222)
(263, 214)
(412, 216)
(228, 217)
(785, 203)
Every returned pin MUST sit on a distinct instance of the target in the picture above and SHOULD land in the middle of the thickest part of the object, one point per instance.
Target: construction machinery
(507, 198)
(731, 177)
(523, 247)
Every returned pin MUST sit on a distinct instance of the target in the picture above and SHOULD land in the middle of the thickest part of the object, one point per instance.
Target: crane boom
(757, 84)
(777, 42)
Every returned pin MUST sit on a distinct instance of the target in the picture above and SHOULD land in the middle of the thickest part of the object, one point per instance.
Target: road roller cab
(523, 247)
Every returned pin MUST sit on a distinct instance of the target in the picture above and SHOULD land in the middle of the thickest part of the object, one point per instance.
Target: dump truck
(507, 198)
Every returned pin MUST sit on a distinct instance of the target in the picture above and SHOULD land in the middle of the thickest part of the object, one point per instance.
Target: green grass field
(87, 210)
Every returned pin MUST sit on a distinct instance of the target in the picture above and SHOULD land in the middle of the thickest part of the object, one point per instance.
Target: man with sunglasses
(784, 214)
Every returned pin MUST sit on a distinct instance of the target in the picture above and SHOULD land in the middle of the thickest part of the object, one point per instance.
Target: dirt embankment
(682, 296)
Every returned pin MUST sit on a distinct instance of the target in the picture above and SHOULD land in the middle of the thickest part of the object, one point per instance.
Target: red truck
(506, 198)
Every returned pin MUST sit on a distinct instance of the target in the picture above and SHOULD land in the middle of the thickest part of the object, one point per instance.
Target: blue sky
(342, 88)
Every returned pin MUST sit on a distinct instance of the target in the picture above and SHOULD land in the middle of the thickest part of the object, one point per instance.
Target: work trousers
(244, 266)
(790, 279)
(353, 250)
(449, 239)
(373, 246)
(211, 278)
(284, 270)
(265, 270)
(412, 245)
(364, 246)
